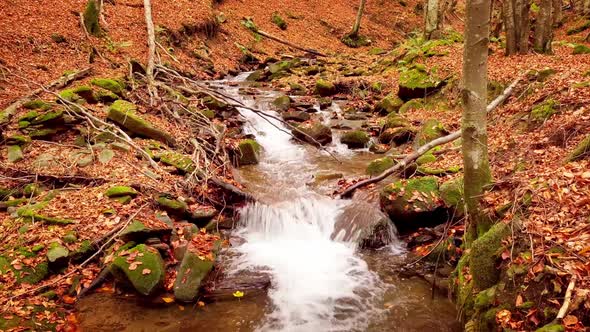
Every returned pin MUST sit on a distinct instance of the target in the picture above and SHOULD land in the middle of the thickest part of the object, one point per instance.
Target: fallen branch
(151, 49)
(567, 300)
(57, 84)
(277, 39)
(426, 147)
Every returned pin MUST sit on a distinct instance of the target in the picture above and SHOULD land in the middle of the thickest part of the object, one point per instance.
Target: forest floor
(55, 194)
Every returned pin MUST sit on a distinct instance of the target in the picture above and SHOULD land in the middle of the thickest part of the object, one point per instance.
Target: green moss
(324, 88)
(29, 116)
(248, 152)
(278, 21)
(544, 111)
(38, 247)
(581, 49)
(37, 104)
(118, 191)
(15, 153)
(581, 150)
(124, 113)
(399, 196)
(426, 158)
(90, 16)
(355, 41)
(18, 140)
(43, 133)
(430, 130)
(183, 163)
(209, 114)
(144, 283)
(410, 105)
(57, 254)
(389, 104)
(579, 28)
(355, 139)
(282, 103)
(191, 273)
(14, 202)
(105, 96)
(485, 298)
(113, 85)
(484, 254)
(33, 274)
(378, 166)
(31, 190)
(172, 206)
(70, 237)
(451, 193)
(49, 117)
(551, 327)
(417, 77)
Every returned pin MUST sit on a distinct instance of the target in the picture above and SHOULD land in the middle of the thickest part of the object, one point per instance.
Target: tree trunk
(557, 13)
(544, 27)
(509, 26)
(517, 25)
(357, 23)
(151, 48)
(474, 131)
(431, 17)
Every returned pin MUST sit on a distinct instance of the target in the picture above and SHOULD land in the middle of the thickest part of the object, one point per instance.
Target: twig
(147, 5)
(568, 298)
(83, 26)
(426, 147)
(89, 259)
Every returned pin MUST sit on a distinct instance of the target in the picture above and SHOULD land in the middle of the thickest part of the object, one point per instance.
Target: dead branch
(285, 42)
(568, 299)
(57, 84)
(426, 147)
(147, 5)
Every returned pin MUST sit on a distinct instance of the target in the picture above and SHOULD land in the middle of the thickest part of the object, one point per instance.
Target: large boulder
(140, 267)
(191, 272)
(414, 203)
(325, 88)
(355, 139)
(124, 114)
(313, 133)
(247, 152)
(451, 192)
(416, 82)
(389, 104)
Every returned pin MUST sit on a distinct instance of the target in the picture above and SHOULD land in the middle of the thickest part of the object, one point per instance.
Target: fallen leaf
(238, 294)
(570, 320)
(146, 271)
(168, 299)
(201, 304)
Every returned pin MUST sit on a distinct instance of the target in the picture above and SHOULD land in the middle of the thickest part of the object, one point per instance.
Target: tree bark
(509, 26)
(431, 16)
(147, 5)
(517, 25)
(357, 23)
(474, 128)
(557, 12)
(544, 27)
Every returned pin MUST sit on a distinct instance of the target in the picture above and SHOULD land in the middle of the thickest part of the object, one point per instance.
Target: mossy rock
(29, 116)
(33, 274)
(551, 327)
(312, 133)
(413, 203)
(29, 212)
(57, 255)
(416, 82)
(580, 28)
(355, 40)
(543, 111)
(540, 75)
(48, 118)
(451, 192)
(248, 152)
(70, 237)
(355, 139)
(78, 95)
(119, 191)
(85, 249)
(581, 150)
(581, 49)
(215, 104)
(324, 103)
(14, 153)
(297, 89)
(278, 21)
(485, 298)
(43, 133)
(191, 273)
(105, 96)
(282, 103)
(19, 140)
(90, 18)
(325, 88)
(389, 104)
(148, 277)
(484, 255)
(124, 114)
(257, 75)
(426, 158)
(37, 104)
(115, 86)
(183, 163)
(172, 206)
(138, 231)
(297, 116)
(411, 104)
(397, 136)
(31, 190)
(378, 166)
(431, 129)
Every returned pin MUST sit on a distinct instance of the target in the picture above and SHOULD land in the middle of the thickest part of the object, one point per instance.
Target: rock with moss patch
(49, 118)
(297, 116)
(355, 139)
(378, 166)
(417, 82)
(57, 255)
(397, 136)
(78, 95)
(313, 133)
(278, 21)
(325, 88)
(282, 103)
(389, 104)
(37, 104)
(31, 190)
(120, 191)
(191, 273)
(413, 203)
(551, 327)
(581, 49)
(297, 89)
(141, 230)
(581, 150)
(451, 193)
(485, 252)
(19, 140)
(105, 96)
(33, 274)
(141, 267)
(355, 40)
(124, 113)
(172, 206)
(15, 153)
(247, 152)
(115, 86)
(543, 111)
(426, 158)
(431, 129)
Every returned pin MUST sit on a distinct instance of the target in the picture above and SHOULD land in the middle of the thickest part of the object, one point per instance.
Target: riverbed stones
(282, 103)
(355, 139)
(192, 271)
(325, 88)
(363, 223)
(314, 133)
(413, 203)
(379, 165)
(125, 114)
(247, 152)
(297, 116)
(141, 267)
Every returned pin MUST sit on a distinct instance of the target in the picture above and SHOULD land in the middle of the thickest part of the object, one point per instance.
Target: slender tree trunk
(523, 26)
(544, 27)
(557, 12)
(357, 23)
(431, 16)
(509, 26)
(474, 131)
(151, 48)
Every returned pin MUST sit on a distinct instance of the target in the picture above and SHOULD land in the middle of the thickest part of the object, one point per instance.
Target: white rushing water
(318, 284)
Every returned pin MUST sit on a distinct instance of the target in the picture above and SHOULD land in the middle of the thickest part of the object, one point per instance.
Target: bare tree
(516, 25)
(544, 27)
(434, 17)
(357, 23)
(151, 48)
(354, 38)
(474, 129)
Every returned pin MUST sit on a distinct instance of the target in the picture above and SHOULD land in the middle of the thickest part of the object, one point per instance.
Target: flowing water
(320, 280)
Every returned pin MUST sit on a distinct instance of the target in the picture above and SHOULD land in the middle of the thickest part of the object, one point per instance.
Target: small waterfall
(304, 240)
